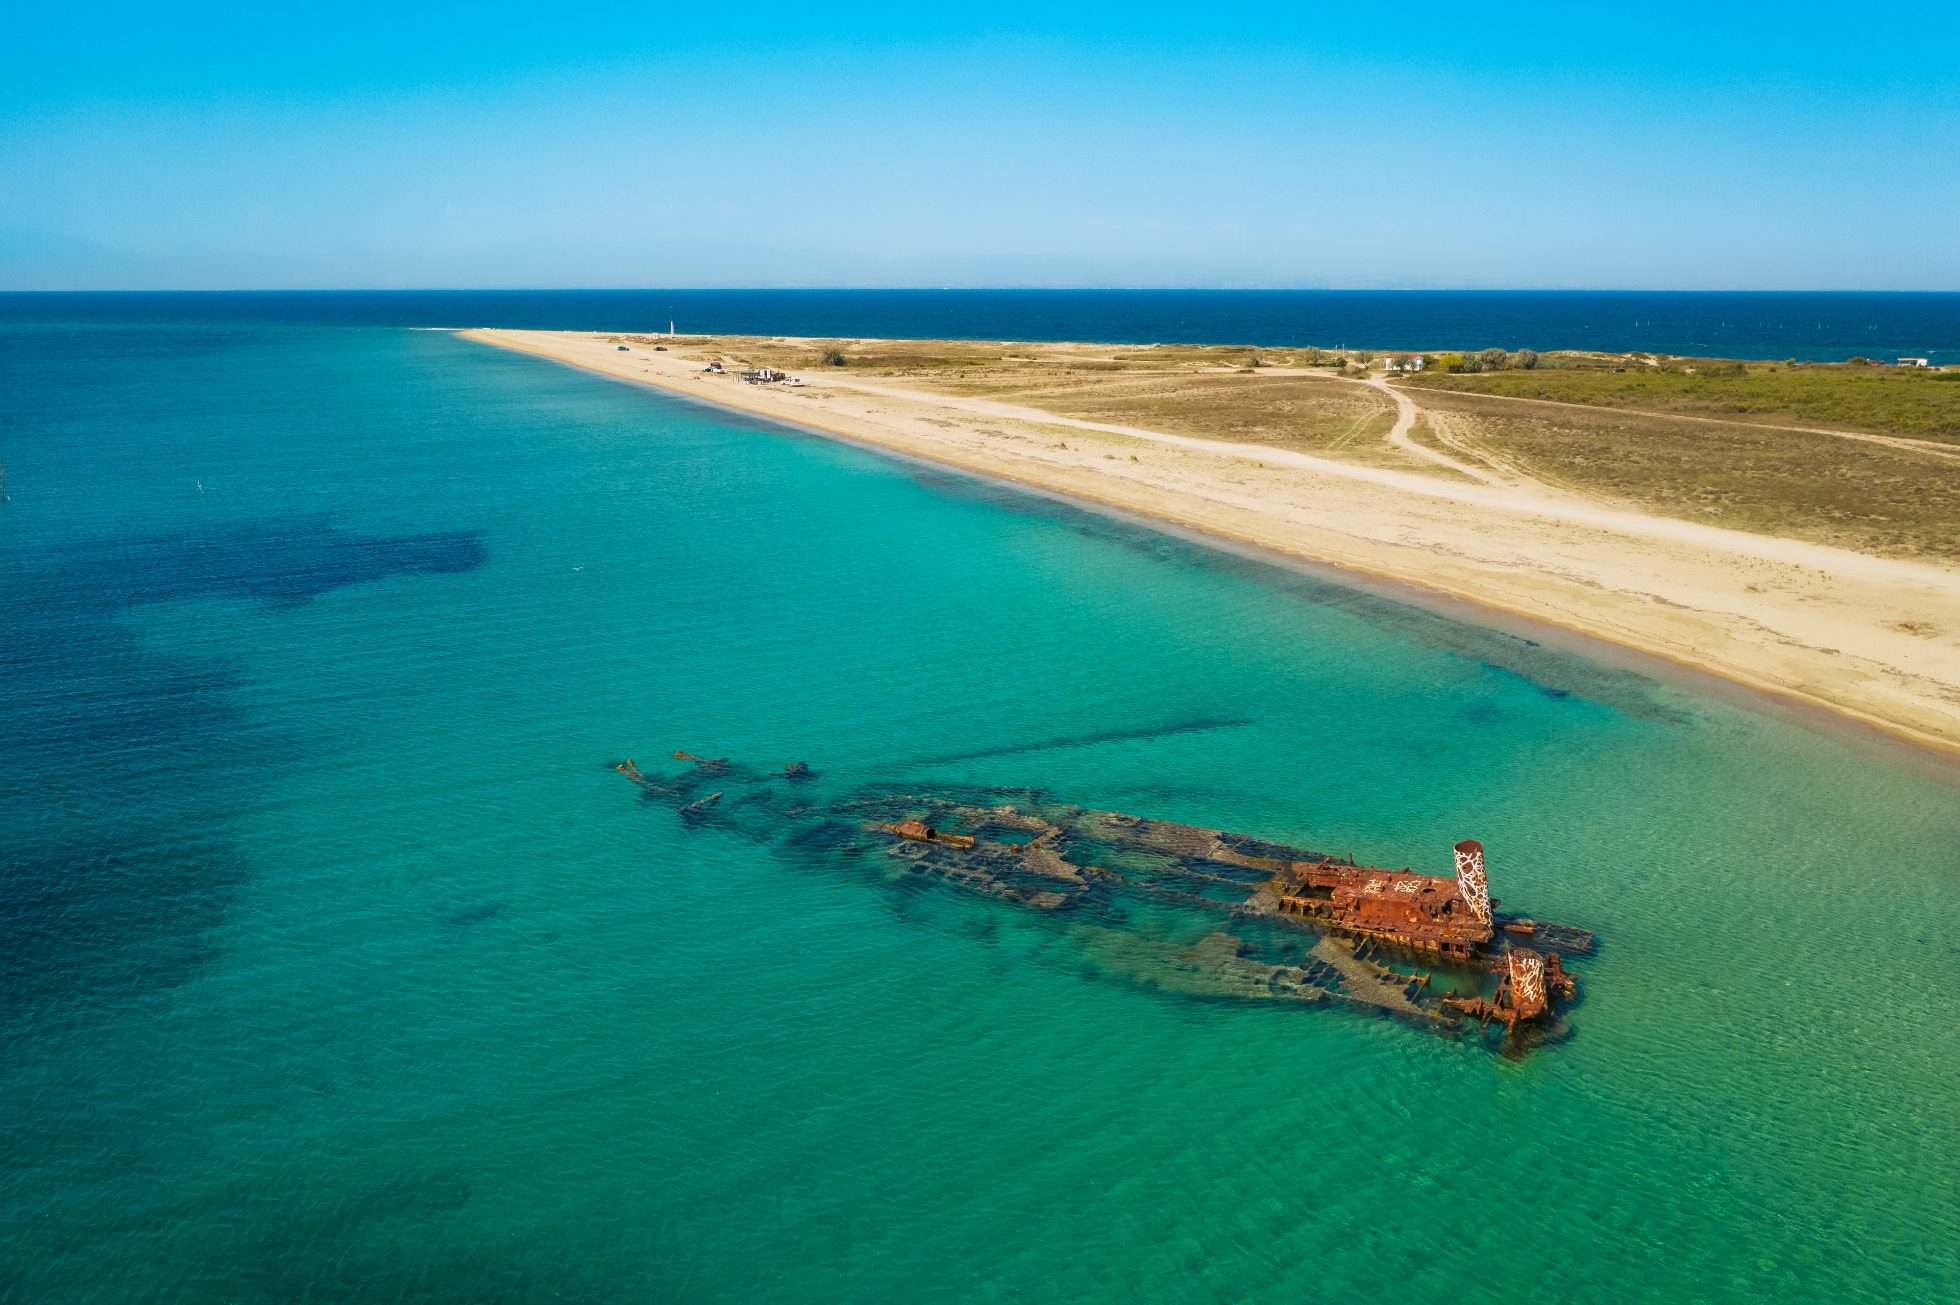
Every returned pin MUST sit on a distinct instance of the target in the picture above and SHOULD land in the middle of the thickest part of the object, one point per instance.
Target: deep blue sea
(1820, 326)
(338, 965)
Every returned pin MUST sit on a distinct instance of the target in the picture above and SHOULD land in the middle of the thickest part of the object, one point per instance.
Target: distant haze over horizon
(491, 146)
(1822, 326)
(1058, 287)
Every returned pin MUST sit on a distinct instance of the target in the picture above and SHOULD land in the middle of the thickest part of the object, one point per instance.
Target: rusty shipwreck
(1186, 909)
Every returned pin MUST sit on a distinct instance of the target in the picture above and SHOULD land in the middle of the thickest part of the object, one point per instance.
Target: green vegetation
(1487, 360)
(1889, 401)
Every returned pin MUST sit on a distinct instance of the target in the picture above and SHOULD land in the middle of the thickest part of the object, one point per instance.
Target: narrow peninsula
(1793, 528)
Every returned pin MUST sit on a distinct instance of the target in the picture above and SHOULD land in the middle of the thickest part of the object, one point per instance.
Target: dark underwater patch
(112, 811)
(125, 765)
(1196, 725)
(283, 565)
(482, 913)
(1640, 709)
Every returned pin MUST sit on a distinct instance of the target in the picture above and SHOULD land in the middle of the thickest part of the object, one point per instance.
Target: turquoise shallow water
(338, 967)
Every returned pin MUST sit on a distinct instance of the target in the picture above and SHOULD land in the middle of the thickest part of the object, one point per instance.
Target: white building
(1403, 362)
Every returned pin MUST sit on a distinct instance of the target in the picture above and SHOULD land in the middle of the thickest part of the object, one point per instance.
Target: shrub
(1494, 359)
(834, 357)
(1527, 359)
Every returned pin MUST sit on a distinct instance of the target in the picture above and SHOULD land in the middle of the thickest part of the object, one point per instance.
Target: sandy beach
(1873, 638)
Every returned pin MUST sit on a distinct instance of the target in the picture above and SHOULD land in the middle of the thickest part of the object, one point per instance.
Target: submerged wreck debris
(1528, 985)
(700, 807)
(918, 831)
(1189, 910)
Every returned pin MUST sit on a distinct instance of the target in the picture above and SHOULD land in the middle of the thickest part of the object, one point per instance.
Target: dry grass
(1819, 487)
(1307, 413)
(1883, 400)
(1191, 390)
(986, 364)
(895, 358)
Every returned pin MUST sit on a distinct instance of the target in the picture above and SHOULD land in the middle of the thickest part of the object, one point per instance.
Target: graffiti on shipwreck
(1198, 911)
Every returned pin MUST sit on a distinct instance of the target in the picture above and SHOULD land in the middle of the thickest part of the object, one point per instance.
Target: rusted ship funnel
(1470, 879)
(1527, 983)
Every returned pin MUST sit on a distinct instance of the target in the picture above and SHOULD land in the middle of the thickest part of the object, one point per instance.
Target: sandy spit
(1873, 638)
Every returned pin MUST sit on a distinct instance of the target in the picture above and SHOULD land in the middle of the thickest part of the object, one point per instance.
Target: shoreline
(1536, 587)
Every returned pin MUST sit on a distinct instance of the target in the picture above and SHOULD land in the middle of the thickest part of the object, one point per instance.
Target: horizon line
(970, 289)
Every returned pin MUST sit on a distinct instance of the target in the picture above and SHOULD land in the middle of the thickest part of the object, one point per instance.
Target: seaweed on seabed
(478, 914)
(826, 836)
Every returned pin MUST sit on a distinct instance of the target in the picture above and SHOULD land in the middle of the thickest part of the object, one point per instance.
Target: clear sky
(594, 144)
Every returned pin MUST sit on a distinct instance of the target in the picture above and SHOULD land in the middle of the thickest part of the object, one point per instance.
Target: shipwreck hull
(1185, 909)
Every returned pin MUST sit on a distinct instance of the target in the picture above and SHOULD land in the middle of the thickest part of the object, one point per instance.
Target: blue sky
(361, 145)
